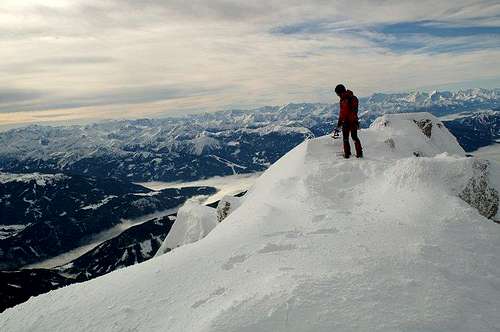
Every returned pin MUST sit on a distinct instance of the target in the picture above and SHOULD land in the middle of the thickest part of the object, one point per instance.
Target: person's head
(340, 89)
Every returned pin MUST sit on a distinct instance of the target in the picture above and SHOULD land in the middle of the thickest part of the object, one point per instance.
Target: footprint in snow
(286, 268)
(325, 231)
(217, 292)
(271, 247)
(127, 309)
(231, 262)
(289, 234)
(318, 218)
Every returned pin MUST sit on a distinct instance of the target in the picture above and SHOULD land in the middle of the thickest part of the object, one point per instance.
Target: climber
(348, 120)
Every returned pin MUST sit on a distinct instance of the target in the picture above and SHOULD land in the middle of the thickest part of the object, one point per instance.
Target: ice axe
(335, 134)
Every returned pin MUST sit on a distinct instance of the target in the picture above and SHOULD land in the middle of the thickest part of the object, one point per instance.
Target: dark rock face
(223, 211)
(226, 206)
(390, 143)
(425, 125)
(479, 194)
(55, 217)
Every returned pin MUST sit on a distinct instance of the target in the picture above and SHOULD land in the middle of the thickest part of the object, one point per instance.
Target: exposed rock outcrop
(478, 192)
(425, 125)
(226, 206)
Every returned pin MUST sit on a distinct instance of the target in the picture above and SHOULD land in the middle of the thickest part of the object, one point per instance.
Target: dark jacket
(348, 114)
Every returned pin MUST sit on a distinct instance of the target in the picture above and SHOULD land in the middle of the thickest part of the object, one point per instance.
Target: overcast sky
(81, 60)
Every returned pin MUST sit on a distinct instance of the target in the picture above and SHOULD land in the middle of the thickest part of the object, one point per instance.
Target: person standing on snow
(348, 120)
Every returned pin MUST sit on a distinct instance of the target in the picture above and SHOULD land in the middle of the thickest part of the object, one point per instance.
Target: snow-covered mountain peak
(419, 134)
(416, 97)
(391, 242)
(203, 143)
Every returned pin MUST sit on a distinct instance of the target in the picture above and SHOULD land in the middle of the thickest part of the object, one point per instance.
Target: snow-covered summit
(194, 221)
(403, 134)
(392, 242)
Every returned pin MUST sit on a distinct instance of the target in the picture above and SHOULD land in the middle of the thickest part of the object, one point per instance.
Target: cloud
(11, 96)
(124, 58)
(437, 37)
(25, 101)
(76, 60)
(308, 28)
(51, 63)
(423, 36)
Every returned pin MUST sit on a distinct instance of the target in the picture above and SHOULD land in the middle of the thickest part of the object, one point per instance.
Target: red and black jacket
(348, 114)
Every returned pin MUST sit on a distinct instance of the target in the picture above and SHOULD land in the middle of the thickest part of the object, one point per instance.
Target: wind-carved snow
(194, 221)
(320, 243)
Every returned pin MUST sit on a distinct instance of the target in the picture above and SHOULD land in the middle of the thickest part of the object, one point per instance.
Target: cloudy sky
(83, 60)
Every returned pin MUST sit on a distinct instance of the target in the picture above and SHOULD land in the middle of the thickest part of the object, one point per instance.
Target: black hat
(340, 89)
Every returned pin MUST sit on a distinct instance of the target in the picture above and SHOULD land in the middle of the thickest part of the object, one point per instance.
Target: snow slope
(318, 244)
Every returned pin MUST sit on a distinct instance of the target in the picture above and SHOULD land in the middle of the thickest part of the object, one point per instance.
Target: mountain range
(222, 143)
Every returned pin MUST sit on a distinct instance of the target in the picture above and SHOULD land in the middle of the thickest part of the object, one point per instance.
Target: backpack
(353, 104)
